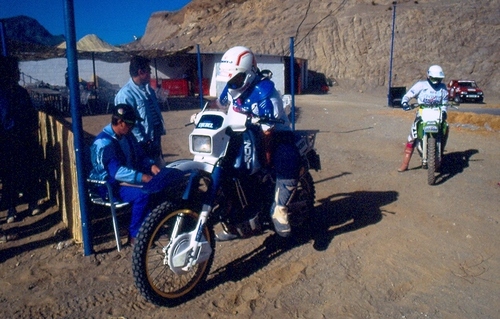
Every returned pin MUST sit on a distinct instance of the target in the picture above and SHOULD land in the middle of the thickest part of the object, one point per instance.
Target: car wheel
(457, 99)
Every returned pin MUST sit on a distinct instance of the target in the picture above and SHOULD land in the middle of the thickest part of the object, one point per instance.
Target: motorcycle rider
(249, 92)
(428, 92)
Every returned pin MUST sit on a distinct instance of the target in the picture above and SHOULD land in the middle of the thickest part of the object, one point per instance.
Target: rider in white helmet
(250, 92)
(429, 92)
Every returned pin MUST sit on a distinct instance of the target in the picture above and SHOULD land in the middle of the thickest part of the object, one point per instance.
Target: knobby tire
(431, 160)
(154, 279)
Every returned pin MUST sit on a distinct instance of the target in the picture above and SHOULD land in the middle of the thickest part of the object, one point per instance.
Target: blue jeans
(140, 206)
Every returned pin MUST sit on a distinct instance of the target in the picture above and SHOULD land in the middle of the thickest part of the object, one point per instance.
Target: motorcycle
(431, 130)
(227, 182)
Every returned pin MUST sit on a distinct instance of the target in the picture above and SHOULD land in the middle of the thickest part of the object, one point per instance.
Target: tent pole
(156, 73)
(200, 76)
(292, 81)
(93, 69)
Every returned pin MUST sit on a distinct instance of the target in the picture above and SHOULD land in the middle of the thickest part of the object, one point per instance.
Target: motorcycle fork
(199, 249)
(424, 151)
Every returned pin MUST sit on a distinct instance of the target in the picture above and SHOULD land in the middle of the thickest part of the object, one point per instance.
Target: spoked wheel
(159, 265)
(431, 160)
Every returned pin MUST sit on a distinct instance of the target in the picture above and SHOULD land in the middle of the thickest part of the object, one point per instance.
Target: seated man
(117, 157)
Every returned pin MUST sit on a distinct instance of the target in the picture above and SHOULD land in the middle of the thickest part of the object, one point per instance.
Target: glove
(405, 106)
(444, 116)
(255, 120)
(193, 118)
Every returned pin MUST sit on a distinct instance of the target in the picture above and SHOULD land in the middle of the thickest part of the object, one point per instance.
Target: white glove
(255, 119)
(193, 118)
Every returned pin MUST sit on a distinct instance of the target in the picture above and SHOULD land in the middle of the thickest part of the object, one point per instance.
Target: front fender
(193, 171)
(187, 165)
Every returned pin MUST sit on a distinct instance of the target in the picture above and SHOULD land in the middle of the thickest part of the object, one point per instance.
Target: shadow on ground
(337, 214)
(454, 163)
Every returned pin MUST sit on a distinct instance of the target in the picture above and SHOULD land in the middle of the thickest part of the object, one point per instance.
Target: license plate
(472, 96)
(431, 129)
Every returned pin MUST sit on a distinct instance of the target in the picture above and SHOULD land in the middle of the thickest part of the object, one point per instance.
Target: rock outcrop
(348, 41)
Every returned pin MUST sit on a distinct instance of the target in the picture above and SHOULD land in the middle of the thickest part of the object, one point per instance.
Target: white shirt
(427, 95)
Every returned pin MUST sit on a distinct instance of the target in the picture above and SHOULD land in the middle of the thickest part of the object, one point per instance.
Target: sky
(114, 21)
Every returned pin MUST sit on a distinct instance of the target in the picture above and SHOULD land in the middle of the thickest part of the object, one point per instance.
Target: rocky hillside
(23, 29)
(348, 41)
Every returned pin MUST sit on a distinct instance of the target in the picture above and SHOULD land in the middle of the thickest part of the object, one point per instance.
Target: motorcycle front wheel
(154, 278)
(431, 160)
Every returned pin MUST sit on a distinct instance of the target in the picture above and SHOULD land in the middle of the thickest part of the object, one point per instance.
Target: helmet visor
(237, 81)
(435, 80)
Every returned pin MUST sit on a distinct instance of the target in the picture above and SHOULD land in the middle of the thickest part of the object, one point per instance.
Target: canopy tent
(91, 46)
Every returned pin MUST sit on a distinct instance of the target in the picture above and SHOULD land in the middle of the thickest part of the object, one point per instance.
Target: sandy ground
(390, 245)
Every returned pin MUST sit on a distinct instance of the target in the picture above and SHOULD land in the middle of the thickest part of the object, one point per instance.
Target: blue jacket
(143, 100)
(263, 100)
(118, 160)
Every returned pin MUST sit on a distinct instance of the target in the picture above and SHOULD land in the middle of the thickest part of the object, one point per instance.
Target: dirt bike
(226, 182)
(431, 130)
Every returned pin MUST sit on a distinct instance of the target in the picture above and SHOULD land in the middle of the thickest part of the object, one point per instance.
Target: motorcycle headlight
(201, 144)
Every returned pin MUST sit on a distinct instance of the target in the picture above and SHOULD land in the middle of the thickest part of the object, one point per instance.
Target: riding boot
(407, 157)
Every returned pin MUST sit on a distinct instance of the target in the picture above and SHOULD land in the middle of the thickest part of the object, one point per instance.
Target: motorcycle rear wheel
(301, 205)
(153, 277)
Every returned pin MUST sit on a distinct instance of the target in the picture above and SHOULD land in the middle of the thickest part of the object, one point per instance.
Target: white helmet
(435, 74)
(238, 68)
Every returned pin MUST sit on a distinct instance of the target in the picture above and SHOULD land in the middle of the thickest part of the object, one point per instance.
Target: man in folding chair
(118, 158)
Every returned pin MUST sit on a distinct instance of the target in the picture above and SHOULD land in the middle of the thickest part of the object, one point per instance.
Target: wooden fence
(59, 170)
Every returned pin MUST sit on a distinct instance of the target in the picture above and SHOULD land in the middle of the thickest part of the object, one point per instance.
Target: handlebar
(450, 104)
(268, 120)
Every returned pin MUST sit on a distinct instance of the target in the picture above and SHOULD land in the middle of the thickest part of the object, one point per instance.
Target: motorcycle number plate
(431, 129)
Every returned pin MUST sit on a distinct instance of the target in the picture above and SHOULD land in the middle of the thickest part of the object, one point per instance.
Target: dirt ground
(390, 245)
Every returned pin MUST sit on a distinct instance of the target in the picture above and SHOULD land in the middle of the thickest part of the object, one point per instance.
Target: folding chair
(108, 201)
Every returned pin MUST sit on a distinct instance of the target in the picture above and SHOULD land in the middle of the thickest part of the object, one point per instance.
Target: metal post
(156, 74)
(389, 102)
(76, 118)
(200, 76)
(292, 82)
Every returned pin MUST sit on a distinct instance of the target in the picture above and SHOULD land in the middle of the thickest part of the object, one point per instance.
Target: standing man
(140, 95)
(19, 146)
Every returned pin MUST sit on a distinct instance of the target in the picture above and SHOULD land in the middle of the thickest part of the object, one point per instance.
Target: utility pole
(389, 95)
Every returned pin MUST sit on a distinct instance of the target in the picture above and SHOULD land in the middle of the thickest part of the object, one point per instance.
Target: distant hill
(23, 29)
